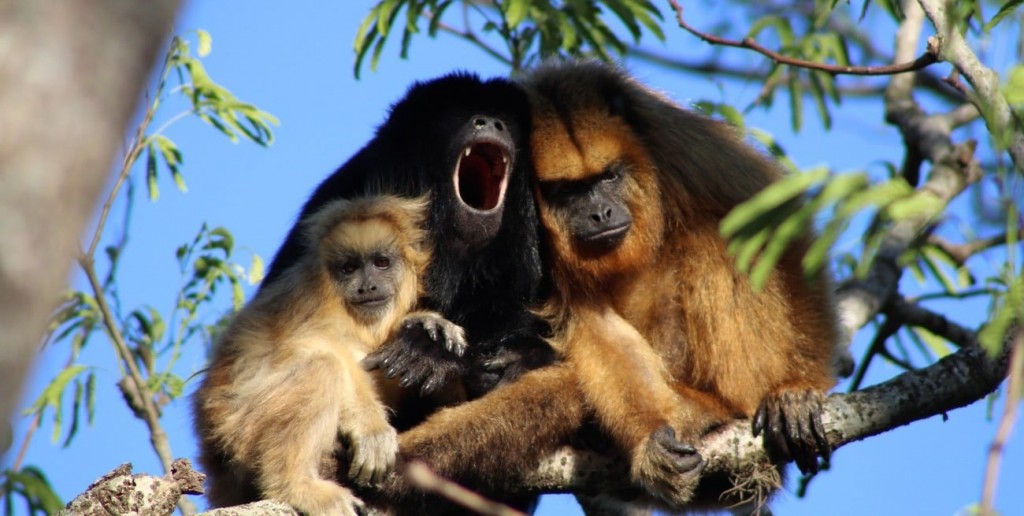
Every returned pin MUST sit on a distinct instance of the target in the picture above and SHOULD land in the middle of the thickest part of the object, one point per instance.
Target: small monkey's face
(593, 210)
(367, 280)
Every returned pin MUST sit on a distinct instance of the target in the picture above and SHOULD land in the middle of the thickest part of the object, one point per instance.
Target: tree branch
(999, 117)
(921, 62)
(995, 454)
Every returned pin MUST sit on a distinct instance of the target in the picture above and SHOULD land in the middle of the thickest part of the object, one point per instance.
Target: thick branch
(953, 169)
(955, 381)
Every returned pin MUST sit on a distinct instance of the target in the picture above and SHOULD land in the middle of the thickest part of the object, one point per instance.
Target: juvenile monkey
(285, 381)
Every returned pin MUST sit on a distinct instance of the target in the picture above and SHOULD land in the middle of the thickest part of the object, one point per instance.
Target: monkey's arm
(491, 444)
(627, 385)
(363, 421)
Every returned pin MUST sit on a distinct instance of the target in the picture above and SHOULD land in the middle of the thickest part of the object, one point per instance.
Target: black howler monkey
(462, 140)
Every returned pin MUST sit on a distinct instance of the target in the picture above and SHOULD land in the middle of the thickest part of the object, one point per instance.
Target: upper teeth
(466, 152)
(504, 159)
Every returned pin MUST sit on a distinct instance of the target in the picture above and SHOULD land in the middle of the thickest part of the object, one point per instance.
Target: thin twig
(917, 315)
(126, 168)
(926, 59)
(421, 476)
(995, 452)
(960, 253)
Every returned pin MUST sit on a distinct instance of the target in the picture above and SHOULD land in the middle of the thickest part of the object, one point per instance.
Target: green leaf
(1007, 9)
(515, 12)
(796, 101)
(205, 43)
(76, 405)
(936, 344)
(154, 190)
(774, 196)
(1014, 88)
(36, 488)
(53, 395)
(790, 229)
(256, 270)
(919, 204)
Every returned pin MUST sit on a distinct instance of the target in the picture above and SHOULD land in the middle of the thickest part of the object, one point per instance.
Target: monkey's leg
(625, 382)
(363, 418)
(297, 410)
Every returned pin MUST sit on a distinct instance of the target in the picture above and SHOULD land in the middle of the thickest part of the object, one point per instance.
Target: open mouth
(481, 175)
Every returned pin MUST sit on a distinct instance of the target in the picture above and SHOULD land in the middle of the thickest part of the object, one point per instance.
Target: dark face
(367, 281)
(593, 210)
(484, 152)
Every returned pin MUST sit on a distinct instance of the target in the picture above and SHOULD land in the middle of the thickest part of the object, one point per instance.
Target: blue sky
(295, 61)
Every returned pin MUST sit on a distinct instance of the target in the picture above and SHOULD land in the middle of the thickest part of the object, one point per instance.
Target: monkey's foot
(439, 330)
(791, 422)
(667, 468)
(373, 455)
(321, 498)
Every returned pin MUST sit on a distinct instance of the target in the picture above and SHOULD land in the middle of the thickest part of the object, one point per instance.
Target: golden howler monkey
(664, 339)
(285, 381)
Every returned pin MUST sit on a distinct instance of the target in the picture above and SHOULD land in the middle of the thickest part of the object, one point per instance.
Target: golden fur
(285, 380)
(663, 329)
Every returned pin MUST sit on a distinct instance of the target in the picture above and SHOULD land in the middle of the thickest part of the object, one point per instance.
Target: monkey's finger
(757, 425)
(372, 362)
(803, 446)
(775, 430)
(818, 431)
(432, 385)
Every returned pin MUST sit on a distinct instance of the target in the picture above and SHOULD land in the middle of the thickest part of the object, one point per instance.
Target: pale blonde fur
(285, 380)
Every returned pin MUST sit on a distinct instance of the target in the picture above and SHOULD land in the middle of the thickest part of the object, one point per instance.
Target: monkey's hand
(515, 355)
(414, 355)
(791, 422)
(667, 468)
(373, 455)
(439, 329)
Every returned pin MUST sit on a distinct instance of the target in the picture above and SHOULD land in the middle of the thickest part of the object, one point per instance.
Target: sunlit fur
(664, 329)
(285, 379)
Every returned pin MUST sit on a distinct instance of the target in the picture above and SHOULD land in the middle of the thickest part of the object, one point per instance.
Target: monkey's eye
(381, 262)
(349, 267)
(611, 175)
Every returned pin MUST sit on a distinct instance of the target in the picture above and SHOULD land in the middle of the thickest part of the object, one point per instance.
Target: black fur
(479, 280)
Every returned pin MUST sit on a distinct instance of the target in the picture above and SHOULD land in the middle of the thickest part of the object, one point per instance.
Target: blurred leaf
(1007, 9)
(772, 197)
(53, 396)
(31, 483)
(515, 11)
(205, 43)
(256, 270)
(1014, 88)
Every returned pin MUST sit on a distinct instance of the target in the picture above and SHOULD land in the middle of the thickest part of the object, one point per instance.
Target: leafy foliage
(530, 30)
